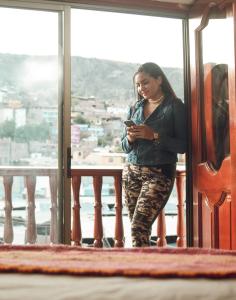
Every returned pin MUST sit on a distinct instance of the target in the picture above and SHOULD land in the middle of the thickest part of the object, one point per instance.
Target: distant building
(18, 115)
(96, 130)
(12, 152)
(50, 115)
(6, 114)
(106, 158)
(81, 151)
(75, 134)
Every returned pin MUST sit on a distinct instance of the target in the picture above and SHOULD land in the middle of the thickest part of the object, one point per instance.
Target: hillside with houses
(101, 92)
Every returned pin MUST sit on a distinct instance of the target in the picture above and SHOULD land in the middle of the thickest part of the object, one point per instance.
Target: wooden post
(53, 225)
(8, 226)
(181, 230)
(76, 227)
(31, 235)
(161, 229)
(98, 230)
(119, 232)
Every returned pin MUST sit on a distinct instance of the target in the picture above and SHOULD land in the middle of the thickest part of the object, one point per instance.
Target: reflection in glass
(216, 55)
(220, 111)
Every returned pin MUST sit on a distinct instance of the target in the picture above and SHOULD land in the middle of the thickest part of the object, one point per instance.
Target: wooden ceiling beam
(201, 5)
(151, 7)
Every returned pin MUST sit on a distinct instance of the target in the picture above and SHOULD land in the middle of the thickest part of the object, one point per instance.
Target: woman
(152, 144)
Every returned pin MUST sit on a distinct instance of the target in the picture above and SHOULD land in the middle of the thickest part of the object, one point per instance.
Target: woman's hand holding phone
(139, 131)
(129, 123)
(130, 129)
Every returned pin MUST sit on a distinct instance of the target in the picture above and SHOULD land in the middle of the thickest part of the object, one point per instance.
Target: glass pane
(104, 59)
(29, 110)
(217, 52)
(107, 48)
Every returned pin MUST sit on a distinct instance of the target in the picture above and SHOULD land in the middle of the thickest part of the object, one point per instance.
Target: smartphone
(129, 123)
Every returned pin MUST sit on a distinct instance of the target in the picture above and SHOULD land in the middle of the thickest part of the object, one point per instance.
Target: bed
(61, 287)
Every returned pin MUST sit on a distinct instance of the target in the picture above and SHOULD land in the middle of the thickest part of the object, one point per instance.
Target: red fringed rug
(149, 262)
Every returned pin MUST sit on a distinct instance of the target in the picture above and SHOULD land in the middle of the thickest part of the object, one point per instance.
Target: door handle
(69, 157)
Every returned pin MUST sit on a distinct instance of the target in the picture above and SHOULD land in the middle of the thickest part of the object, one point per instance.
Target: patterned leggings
(147, 191)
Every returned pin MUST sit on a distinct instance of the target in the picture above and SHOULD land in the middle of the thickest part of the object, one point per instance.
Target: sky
(126, 37)
(105, 35)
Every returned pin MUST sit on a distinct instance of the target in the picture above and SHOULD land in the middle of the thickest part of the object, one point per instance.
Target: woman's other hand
(130, 133)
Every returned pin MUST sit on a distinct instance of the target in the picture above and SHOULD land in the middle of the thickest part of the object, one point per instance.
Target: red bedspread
(148, 262)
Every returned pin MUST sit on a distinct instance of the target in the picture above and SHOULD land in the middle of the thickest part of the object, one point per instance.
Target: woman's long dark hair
(155, 71)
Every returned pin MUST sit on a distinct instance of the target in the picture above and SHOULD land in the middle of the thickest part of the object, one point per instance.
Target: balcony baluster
(30, 235)
(98, 229)
(53, 209)
(119, 231)
(161, 229)
(76, 229)
(181, 231)
(8, 226)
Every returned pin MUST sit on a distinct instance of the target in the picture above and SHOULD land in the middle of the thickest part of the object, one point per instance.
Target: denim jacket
(169, 121)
